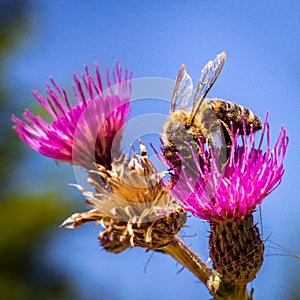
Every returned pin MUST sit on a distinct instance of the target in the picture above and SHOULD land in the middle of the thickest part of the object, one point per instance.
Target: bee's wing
(209, 74)
(183, 89)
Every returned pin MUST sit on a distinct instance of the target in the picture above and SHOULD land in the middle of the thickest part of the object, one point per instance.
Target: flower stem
(219, 289)
(179, 251)
(228, 291)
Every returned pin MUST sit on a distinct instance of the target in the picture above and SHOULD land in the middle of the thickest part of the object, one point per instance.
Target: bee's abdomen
(231, 112)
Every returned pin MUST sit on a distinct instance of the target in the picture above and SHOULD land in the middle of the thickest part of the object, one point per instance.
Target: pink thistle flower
(249, 176)
(88, 132)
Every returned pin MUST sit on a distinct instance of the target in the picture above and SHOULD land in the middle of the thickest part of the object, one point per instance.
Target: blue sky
(262, 71)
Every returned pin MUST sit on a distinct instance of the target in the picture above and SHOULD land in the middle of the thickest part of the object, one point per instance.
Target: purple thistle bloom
(248, 177)
(88, 132)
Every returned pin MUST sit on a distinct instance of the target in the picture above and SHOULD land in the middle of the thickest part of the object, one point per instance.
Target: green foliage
(21, 225)
(24, 227)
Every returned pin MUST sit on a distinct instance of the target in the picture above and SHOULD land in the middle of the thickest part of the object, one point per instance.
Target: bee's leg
(226, 146)
(170, 152)
(219, 142)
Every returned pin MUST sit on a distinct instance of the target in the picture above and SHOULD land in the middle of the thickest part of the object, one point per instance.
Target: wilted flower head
(88, 132)
(132, 206)
(233, 192)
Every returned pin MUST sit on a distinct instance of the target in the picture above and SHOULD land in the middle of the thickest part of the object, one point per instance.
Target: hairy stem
(179, 251)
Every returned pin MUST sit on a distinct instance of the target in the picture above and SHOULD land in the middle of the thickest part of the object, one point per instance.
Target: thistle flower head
(88, 132)
(249, 176)
(226, 197)
(131, 204)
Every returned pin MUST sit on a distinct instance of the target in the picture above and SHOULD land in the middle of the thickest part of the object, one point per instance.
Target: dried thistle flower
(134, 209)
(131, 204)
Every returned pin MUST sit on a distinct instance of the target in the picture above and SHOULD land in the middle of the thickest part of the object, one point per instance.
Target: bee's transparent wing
(209, 74)
(182, 92)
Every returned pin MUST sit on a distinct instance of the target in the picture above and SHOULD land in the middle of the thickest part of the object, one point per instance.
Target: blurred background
(39, 260)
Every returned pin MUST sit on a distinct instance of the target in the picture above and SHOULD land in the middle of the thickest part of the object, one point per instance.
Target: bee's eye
(188, 125)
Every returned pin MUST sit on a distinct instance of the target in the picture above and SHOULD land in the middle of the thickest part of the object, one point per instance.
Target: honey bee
(195, 120)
